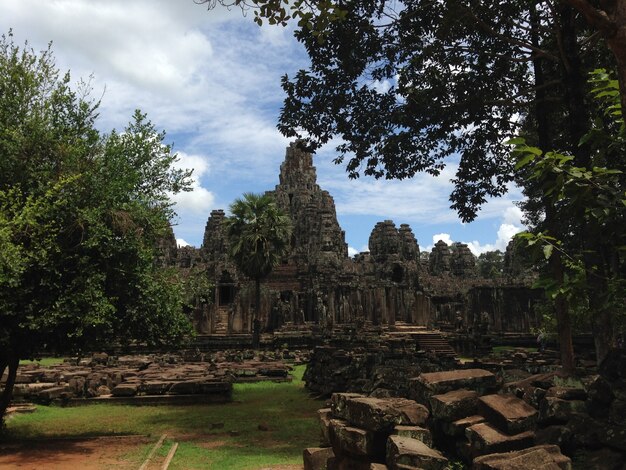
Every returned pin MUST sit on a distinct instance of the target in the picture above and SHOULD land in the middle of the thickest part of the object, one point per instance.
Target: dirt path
(101, 453)
(71, 454)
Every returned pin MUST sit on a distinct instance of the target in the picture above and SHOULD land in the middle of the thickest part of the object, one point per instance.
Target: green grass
(210, 436)
(44, 361)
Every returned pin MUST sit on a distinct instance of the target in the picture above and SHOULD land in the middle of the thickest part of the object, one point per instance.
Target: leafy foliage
(411, 86)
(258, 234)
(80, 217)
(594, 197)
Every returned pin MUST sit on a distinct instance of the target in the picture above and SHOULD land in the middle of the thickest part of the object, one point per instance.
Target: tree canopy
(81, 213)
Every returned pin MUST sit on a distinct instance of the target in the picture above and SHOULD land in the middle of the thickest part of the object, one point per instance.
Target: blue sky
(211, 80)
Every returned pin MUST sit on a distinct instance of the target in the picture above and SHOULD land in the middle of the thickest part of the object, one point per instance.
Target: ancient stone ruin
(319, 286)
(472, 417)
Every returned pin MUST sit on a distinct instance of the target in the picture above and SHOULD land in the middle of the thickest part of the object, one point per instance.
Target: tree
(80, 217)
(410, 86)
(258, 236)
(491, 264)
(594, 196)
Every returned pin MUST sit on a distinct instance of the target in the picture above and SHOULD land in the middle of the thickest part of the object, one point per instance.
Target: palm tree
(258, 237)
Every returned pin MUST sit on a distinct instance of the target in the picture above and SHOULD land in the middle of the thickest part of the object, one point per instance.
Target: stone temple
(319, 287)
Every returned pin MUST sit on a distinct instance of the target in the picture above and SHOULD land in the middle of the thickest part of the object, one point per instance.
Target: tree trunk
(12, 361)
(256, 323)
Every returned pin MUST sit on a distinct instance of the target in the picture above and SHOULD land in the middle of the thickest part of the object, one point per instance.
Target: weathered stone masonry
(319, 285)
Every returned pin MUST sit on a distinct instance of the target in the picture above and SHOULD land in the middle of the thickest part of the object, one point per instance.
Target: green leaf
(547, 251)
(515, 141)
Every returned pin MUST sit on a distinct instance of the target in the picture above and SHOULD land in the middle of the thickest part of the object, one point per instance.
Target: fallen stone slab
(508, 413)
(53, 393)
(486, 439)
(458, 427)
(125, 390)
(454, 405)
(423, 387)
(354, 441)
(338, 401)
(324, 416)
(315, 458)
(154, 387)
(382, 414)
(413, 453)
(567, 393)
(547, 457)
(414, 432)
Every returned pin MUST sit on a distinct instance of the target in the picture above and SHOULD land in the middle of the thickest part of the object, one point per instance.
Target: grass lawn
(44, 361)
(266, 424)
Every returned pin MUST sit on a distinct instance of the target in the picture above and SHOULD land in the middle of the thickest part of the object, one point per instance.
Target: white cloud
(352, 251)
(199, 200)
(443, 237)
(180, 242)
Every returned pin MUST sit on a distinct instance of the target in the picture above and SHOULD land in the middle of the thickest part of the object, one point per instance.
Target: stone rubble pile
(140, 376)
(469, 416)
(380, 368)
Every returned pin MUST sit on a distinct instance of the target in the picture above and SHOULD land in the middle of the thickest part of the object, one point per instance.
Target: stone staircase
(435, 342)
(427, 340)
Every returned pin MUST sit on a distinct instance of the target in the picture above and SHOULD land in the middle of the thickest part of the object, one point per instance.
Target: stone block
(422, 388)
(155, 387)
(338, 401)
(486, 439)
(324, 416)
(315, 458)
(353, 441)
(508, 413)
(53, 393)
(557, 434)
(413, 453)
(414, 432)
(349, 463)
(458, 427)
(454, 405)
(554, 410)
(567, 393)
(125, 390)
(546, 457)
(382, 414)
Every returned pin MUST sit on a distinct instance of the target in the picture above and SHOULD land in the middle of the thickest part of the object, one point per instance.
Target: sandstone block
(382, 414)
(458, 427)
(125, 390)
(155, 387)
(567, 393)
(53, 393)
(346, 439)
(454, 405)
(546, 457)
(338, 401)
(414, 432)
(486, 439)
(435, 383)
(315, 458)
(508, 413)
(324, 416)
(413, 453)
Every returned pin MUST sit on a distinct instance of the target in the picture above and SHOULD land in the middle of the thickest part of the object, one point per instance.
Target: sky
(211, 81)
